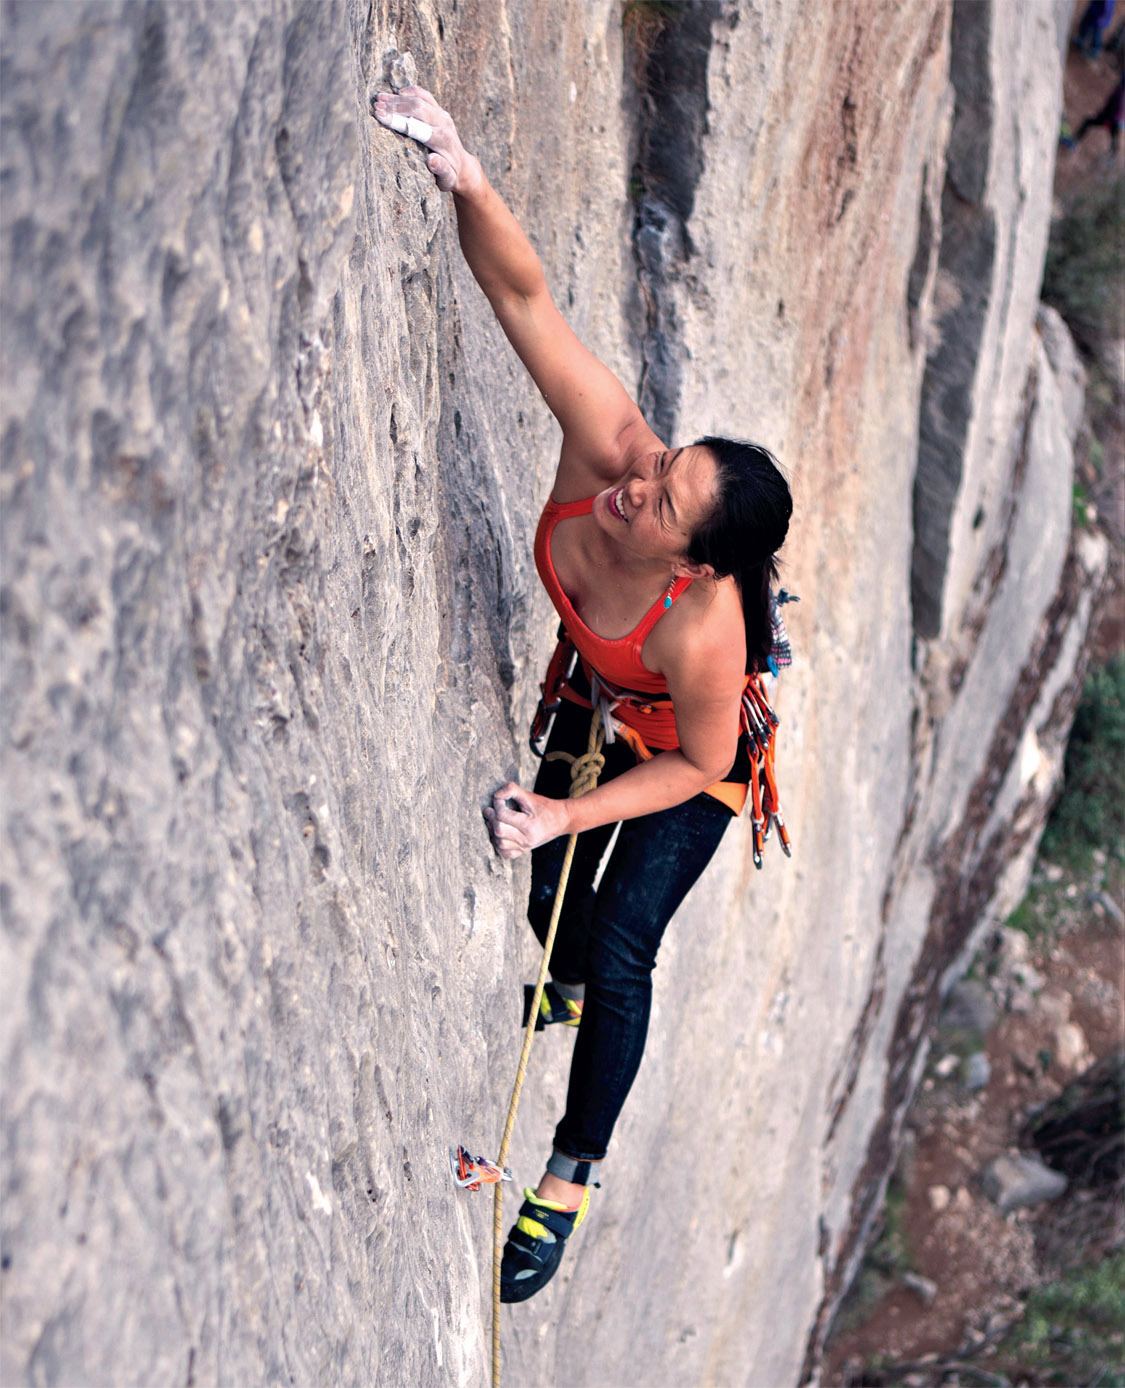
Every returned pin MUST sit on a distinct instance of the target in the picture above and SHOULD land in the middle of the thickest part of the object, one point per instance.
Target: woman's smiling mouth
(615, 503)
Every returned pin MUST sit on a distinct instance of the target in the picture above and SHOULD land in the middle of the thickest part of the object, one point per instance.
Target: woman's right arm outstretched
(601, 425)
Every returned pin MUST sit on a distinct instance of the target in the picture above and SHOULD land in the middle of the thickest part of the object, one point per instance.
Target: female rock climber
(659, 563)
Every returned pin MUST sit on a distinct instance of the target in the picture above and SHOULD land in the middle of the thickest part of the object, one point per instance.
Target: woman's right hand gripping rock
(414, 113)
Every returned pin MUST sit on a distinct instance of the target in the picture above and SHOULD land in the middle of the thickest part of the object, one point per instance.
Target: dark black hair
(744, 531)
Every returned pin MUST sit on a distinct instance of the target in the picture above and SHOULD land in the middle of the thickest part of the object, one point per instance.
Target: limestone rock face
(272, 634)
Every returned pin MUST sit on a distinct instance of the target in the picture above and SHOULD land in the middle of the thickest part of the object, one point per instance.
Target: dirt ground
(982, 1263)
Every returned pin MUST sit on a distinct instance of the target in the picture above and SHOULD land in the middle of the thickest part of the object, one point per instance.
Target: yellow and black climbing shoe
(535, 1244)
(553, 1007)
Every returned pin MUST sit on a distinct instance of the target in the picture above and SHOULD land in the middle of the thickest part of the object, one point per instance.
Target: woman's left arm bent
(705, 678)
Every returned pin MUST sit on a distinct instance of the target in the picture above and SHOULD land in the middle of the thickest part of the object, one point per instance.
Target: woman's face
(660, 503)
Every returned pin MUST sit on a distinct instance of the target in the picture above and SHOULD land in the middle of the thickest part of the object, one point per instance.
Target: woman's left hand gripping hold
(413, 112)
(534, 820)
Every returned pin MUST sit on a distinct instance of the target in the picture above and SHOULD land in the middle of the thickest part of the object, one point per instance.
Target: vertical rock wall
(271, 636)
(270, 480)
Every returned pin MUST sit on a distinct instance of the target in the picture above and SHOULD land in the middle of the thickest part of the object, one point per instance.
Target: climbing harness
(472, 1172)
(560, 670)
(758, 727)
(605, 697)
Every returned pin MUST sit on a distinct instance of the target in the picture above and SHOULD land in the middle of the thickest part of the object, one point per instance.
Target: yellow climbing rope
(584, 773)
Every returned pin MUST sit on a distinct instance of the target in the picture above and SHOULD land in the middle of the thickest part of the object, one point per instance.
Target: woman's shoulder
(583, 471)
(712, 610)
(704, 624)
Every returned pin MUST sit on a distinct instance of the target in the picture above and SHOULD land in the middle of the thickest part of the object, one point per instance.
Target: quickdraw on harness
(759, 726)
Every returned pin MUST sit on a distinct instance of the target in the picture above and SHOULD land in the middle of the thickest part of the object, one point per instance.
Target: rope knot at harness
(584, 770)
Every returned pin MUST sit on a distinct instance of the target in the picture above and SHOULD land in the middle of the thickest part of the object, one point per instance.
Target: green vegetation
(1090, 812)
(1086, 263)
(1085, 834)
(961, 1041)
(893, 1251)
(1081, 507)
(1071, 1335)
(1105, 399)
(1034, 913)
(1072, 1331)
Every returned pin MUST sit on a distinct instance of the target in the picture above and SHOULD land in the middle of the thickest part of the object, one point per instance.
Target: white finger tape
(407, 125)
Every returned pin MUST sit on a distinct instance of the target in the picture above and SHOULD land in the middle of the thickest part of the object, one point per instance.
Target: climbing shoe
(535, 1244)
(553, 1007)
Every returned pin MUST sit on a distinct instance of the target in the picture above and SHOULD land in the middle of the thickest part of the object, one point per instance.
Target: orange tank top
(617, 663)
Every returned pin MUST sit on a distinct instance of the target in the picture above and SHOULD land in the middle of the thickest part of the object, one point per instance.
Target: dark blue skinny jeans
(608, 938)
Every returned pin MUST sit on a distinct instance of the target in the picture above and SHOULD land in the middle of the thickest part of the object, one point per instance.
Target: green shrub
(1090, 811)
(1081, 506)
(1073, 1329)
(1085, 265)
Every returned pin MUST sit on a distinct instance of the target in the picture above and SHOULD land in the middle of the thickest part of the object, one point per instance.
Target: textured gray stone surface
(1012, 1182)
(969, 1005)
(271, 635)
(976, 1071)
(259, 590)
(1066, 365)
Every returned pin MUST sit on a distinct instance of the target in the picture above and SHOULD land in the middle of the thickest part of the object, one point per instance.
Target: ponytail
(756, 615)
(741, 536)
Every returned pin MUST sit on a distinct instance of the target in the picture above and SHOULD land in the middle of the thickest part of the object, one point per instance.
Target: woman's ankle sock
(570, 1169)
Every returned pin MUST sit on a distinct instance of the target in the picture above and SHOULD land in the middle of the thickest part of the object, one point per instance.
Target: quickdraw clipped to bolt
(470, 1173)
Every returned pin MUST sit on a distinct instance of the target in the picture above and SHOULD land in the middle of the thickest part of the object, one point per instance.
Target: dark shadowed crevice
(920, 266)
(667, 51)
(966, 260)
